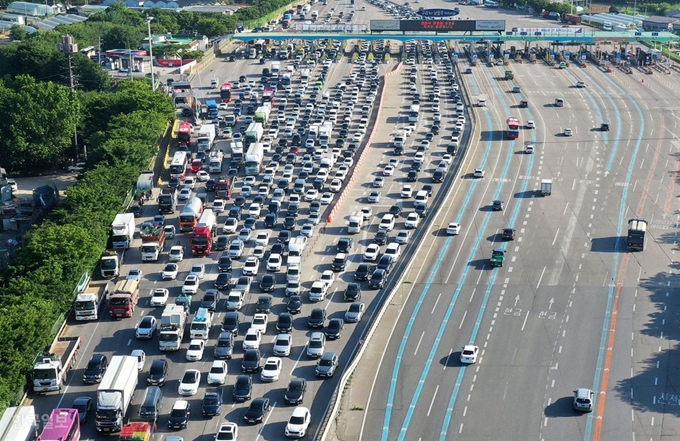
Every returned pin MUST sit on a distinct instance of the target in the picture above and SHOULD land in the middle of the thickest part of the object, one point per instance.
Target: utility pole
(153, 80)
(69, 47)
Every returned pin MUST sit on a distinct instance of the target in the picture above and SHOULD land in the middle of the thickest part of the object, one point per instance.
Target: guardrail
(334, 403)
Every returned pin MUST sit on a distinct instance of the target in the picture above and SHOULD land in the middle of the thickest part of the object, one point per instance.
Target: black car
(221, 243)
(210, 185)
(284, 323)
(222, 281)
(277, 248)
(174, 183)
(339, 262)
(258, 410)
(416, 165)
(386, 263)
(224, 348)
(317, 318)
(353, 291)
(270, 220)
(295, 392)
(209, 300)
(284, 236)
(293, 211)
(362, 272)
(508, 234)
(412, 176)
(251, 361)
(294, 305)
(240, 201)
(345, 245)
(334, 328)
(421, 210)
(264, 304)
(231, 322)
(179, 415)
(377, 280)
(289, 223)
(380, 237)
(84, 407)
(158, 372)
(235, 212)
(268, 283)
(395, 210)
(95, 369)
(243, 388)
(497, 205)
(428, 188)
(249, 223)
(212, 402)
(136, 210)
(224, 265)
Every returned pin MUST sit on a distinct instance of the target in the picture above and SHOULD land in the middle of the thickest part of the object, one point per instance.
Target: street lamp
(153, 79)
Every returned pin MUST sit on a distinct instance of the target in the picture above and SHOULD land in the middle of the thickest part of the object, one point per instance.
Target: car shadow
(562, 407)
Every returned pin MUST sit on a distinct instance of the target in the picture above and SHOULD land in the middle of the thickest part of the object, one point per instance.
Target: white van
(355, 223)
(387, 222)
(421, 198)
(393, 249)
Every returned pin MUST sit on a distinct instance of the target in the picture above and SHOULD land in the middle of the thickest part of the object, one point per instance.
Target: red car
(295, 150)
(196, 165)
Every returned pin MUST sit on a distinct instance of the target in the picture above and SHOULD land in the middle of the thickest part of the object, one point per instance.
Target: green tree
(211, 27)
(123, 37)
(17, 33)
(89, 74)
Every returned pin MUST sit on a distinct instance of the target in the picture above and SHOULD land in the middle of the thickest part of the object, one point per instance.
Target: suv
(327, 365)
(583, 400)
(340, 262)
(345, 245)
(179, 415)
(353, 291)
(95, 369)
(225, 346)
(316, 345)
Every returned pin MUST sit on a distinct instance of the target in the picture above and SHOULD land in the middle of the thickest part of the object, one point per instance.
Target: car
(159, 296)
(326, 198)
(479, 173)
(184, 194)
(198, 269)
(243, 388)
(583, 400)
(257, 411)
(529, 149)
(298, 423)
(274, 262)
(260, 322)
(366, 213)
(395, 210)
(386, 262)
(264, 304)
(176, 254)
(84, 407)
(251, 360)
(188, 385)
(195, 350)
(134, 274)
(267, 283)
(294, 305)
(403, 236)
(317, 318)
(271, 371)
(179, 415)
(311, 195)
(381, 237)
(530, 125)
(158, 372)
(95, 369)
(252, 339)
(453, 228)
(580, 84)
(469, 354)
(146, 327)
(191, 284)
(226, 432)
(334, 329)
(295, 392)
(235, 250)
(251, 267)
(378, 182)
(221, 243)
(345, 245)
(262, 238)
(327, 365)
(223, 281)
(412, 221)
(372, 252)
(355, 312)
(378, 278)
(224, 264)
(374, 197)
(388, 170)
(388, 220)
(245, 234)
(497, 205)
(202, 176)
(224, 348)
(230, 226)
(508, 234)
(335, 186)
(217, 373)
(328, 278)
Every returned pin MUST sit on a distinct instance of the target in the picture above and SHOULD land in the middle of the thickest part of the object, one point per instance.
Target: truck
(114, 394)
(262, 114)
(206, 137)
(572, 18)
(109, 264)
(305, 74)
(254, 158)
(153, 240)
(325, 132)
(509, 75)
(237, 151)
(254, 133)
(497, 257)
(167, 200)
(296, 247)
(637, 228)
(136, 431)
(276, 69)
(18, 424)
(355, 223)
(190, 214)
(546, 187)
(201, 239)
(285, 78)
(213, 111)
(173, 321)
(215, 161)
(91, 296)
(145, 182)
(223, 188)
(201, 324)
(122, 231)
(51, 367)
(124, 299)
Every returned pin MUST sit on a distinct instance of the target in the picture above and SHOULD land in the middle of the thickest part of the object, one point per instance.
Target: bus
(184, 134)
(63, 425)
(225, 92)
(268, 96)
(18, 424)
(178, 166)
(513, 128)
(414, 113)
(181, 87)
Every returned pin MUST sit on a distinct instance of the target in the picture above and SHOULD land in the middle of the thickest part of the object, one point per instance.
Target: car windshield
(297, 420)
(325, 362)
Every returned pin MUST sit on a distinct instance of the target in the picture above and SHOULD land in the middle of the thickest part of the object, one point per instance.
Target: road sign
(446, 25)
(385, 25)
(439, 12)
(567, 55)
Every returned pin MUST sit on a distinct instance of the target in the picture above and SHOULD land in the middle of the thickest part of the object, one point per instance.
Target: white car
(223, 106)
(230, 226)
(235, 250)
(412, 221)
(366, 213)
(388, 170)
(254, 210)
(198, 270)
(219, 205)
(189, 182)
(326, 198)
(479, 173)
(529, 149)
(469, 354)
(251, 266)
(176, 254)
(218, 372)
(419, 156)
(184, 194)
(372, 252)
(406, 191)
(188, 385)
(195, 350)
(311, 195)
(202, 176)
(226, 432)
(252, 339)
(453, 228)
(190, 285)
(387, 222)
(403, 236)
(262, 238)
(282, 345)
(274, 262)
(328, 277)
(580, 84)
(307, 230)
(298, 423)
(530, 125)
(259, 252)
(335, 185)
(271, 371)
(260, 321)
(448, 159)
(568, 132)
(159, 297)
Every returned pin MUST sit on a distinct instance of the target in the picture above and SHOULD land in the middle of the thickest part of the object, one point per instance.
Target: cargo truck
(213, 111)
(18, 424)
(173, 321)
(201, 239)
(136, 431)
(122, 231)
(206, 137)
(201, 324)
(167, 200)
(223, 188)
(254, 133)
(124, 299)
(637, 229)
(296, 247)
(153, 240)
(51, 367)
(497, 257)
(572, 18)
(546, 187)
(254, 158)
(237, 151)
(262, 115)
(115, 392)
(109, 264)
(190, 214)
(145, 182)
(90, 298)
(215, 161)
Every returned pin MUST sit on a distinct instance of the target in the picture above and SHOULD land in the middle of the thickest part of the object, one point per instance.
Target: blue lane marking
(423, 295)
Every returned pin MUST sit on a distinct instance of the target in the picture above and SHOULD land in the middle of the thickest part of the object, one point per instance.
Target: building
(657, 23)
(32, 9)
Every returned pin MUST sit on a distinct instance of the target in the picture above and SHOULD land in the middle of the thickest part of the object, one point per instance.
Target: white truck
(115, 392)
(296, 247)
(276, 69)
(215, 161)
(173, 321)
(201, 324)
(122, 231)
(355, 223)
(546, 187)
(18, 424)
(206, 137)
(254, 157)
(51, 368)
(91, 296)
(325, 133)
(109, 265)
(237, 151)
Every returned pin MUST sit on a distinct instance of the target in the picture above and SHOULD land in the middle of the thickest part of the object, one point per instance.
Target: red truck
(124, 299)
(223, 188)
(201, 239)
(153, 240)
(571, 18)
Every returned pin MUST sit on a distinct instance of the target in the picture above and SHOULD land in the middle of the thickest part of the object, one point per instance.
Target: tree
(123, 37)
(17, 33)
(89, 73)
(211, 27)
